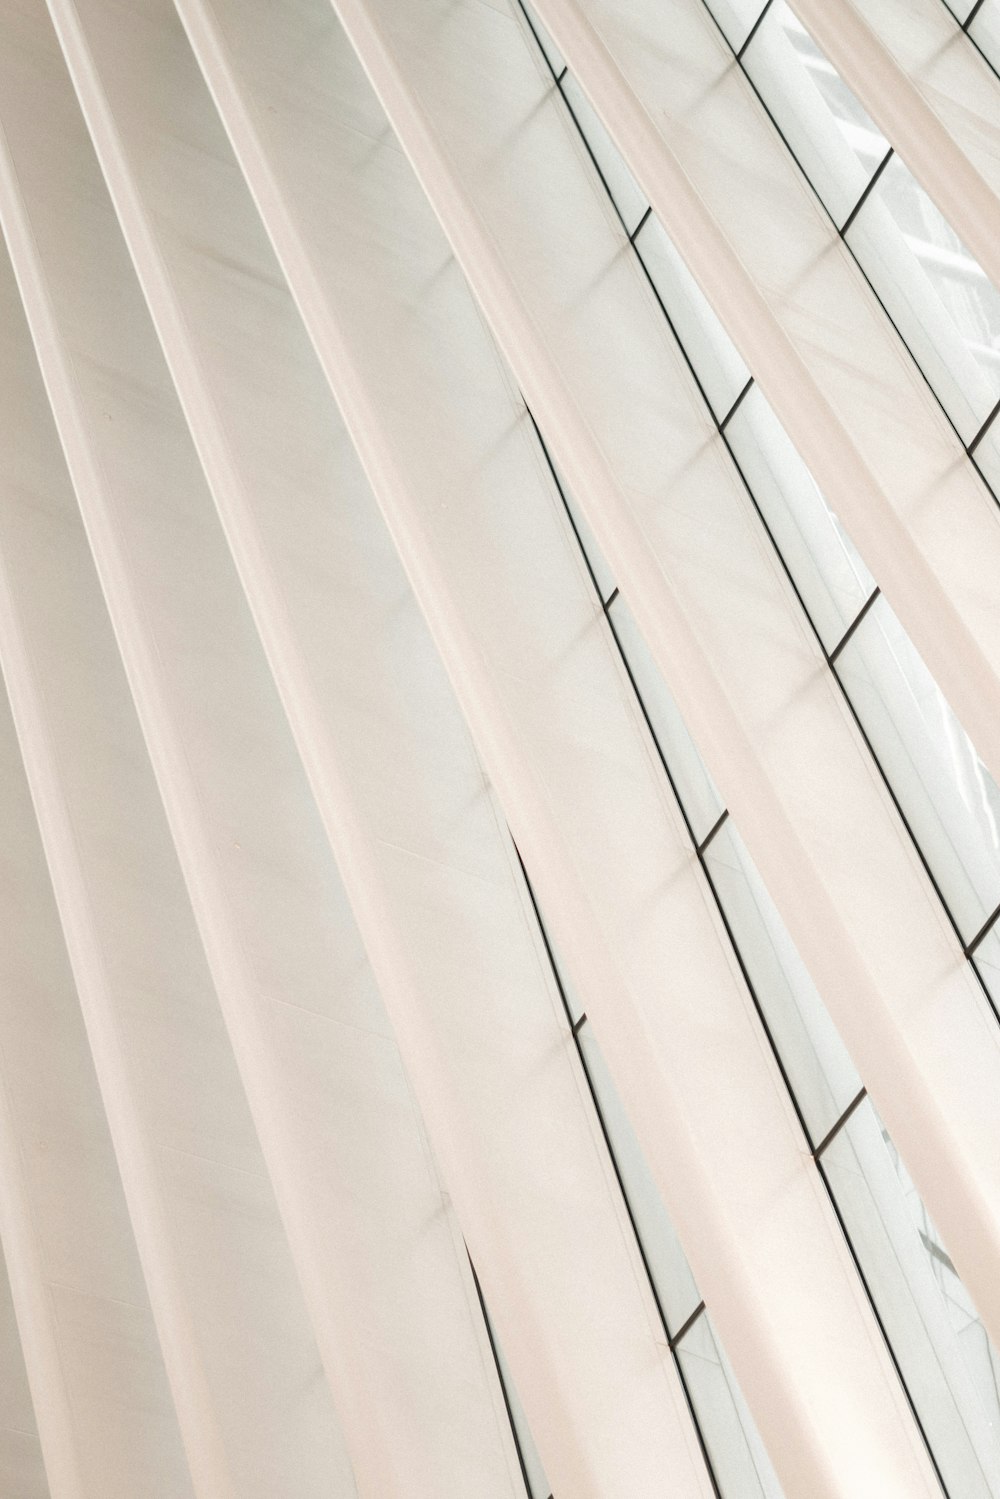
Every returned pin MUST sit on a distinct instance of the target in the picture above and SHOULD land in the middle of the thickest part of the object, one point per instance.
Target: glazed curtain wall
(500, 628)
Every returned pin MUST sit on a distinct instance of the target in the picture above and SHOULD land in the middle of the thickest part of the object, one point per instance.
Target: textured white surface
(301, 653)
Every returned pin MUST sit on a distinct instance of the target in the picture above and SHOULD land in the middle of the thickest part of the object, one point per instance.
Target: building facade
(500, 629)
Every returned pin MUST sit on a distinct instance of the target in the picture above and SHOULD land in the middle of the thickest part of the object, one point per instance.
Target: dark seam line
(590, 152)
(736, 405)
(832, 1134)
(858, 619)
(973, 445)
(703, 1447)
(850, 250)
(751, 989)
(703, 845)
(988, 61)
(866, 194)
(611, 598)
(669, 775)
(973, 13)
(686, 1326)
(538, 41)
(753, 31)
(847, 245)
(579, 1024)
(794, 1100)
(862, 1277)
(984, 931)
(562, 75)
(503, 1387)
(569, 514)
(635, 232)
(790, 576)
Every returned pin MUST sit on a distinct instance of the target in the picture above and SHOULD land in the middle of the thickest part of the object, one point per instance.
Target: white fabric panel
(83, 1318)
(22, 1468)
(492, 560)
(100, 1395)
(933, 95)
(429, 867)
(728, 193)
(243, 1368)
(387, 1281)
(603, 381)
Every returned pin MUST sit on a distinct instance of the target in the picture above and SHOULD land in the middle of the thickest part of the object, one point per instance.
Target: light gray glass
(948, 797)
(626, 193)
(943, 1353)
(538, 1484)
(836, 141)
(985, 29)
(555, 58)
(603, 576)
(668, 1266)
(713, 355)
(939, 297)
(820, 1072)
(987, 961)
(739, 1460)
(695, 787)
(826, 568)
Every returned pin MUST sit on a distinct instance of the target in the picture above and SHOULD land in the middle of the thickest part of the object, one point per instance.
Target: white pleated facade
(402, 668)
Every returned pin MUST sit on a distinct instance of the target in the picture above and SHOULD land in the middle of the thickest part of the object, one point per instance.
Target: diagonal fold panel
(427, 862)
(243, 1370)
(322, 1071)
(22, 1468)
(455, 469)
(603, 378)
(728, 193)
(933, 95)
(106, 1427)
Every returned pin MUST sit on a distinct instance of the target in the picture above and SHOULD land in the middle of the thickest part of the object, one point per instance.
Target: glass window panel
(822, 1075)
(603, 576)
(538, 1484)
(695, 787)
(736, 18)
(625, 192)
(939, 1342)
(828, 572)
(985, 30)
(950, 800)
(555, 58)
(668, 1266)
(742, 1466)
(834, 138)
(706, 343)
(938, 296)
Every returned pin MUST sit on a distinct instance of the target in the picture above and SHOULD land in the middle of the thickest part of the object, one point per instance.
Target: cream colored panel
(491, 557)
(83, 1318)
(430, 869)
(242, 1364)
